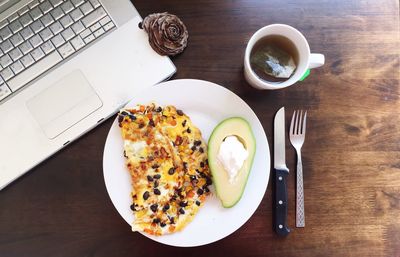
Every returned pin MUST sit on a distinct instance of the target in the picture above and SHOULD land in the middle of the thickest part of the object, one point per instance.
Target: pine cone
(167, 33)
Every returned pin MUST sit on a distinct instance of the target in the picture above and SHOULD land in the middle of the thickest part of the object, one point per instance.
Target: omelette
(167, 160)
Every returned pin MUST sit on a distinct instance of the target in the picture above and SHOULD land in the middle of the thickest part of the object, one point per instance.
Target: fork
(297, 134)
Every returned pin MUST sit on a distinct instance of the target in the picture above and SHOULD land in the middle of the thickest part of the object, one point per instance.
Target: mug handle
(316, 60)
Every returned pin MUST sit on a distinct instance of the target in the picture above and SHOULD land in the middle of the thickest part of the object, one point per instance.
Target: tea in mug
(274, 58)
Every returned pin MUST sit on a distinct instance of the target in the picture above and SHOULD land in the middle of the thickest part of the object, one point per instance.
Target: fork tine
(291, 130)
(300, 122)
(304, 123)
(297, 126)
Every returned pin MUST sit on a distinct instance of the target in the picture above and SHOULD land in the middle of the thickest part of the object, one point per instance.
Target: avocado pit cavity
(231, 155)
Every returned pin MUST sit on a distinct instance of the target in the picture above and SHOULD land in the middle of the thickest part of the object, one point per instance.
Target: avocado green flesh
(230, 193)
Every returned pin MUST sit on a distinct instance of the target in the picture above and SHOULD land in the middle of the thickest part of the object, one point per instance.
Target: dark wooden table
(351, 156)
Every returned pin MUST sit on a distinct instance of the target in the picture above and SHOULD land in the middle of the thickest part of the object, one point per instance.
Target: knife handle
(281, 227)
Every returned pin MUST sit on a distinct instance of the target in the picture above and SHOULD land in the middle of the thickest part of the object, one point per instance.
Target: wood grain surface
(351, 157)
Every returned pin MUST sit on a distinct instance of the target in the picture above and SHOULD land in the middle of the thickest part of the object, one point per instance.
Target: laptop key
(77, 42)
(33, 4)
(16, 40)
(105, 20)
(56, 3)
(15, 26)
(47, 47)
(27, 60)
(17, 67)
(67, 7)
(47, 20)
(26, 33)
(45, 7)
(3, 23)
(93, 17)
(36, 13)
(89, 39)
(77, 2)
(37, 26)
(46, 34)
(25, 47)
(85, 33)
(95, 3)
(37, 54)
(68, 34)
(86, 8)
(4, 90)
(57, 13)
(109, 26)
(25, 20)
(56, 27)
(5, 33)
(23, 10)
(6, 46)
(57, 40)
(5, 60)
(76, 14)
(66, 21)
(15, 54)
(35, 41)
(99, 32)
(12, 17)
(34, 71)
(66, 50)
(78, 27)
(7, 74)
(95, 27)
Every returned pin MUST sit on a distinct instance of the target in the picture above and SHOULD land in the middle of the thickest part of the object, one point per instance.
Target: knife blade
(281, 171)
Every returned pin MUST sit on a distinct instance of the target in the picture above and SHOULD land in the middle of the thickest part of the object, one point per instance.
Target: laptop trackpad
(64, 104)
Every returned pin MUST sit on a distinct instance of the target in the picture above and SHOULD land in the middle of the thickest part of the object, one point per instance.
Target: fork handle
(300, 217)
(281, 227)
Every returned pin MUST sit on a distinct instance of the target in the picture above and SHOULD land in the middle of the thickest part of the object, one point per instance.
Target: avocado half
(230, 193)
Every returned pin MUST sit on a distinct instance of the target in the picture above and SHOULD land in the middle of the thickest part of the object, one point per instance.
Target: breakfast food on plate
(167, 160)
(231, 150)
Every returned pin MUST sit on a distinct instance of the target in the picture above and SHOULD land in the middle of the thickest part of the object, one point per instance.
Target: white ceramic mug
(306, 59)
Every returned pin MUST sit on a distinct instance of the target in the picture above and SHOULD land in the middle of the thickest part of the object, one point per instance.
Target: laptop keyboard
(43, 34)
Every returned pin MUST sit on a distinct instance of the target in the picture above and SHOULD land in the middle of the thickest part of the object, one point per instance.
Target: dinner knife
(281, 171)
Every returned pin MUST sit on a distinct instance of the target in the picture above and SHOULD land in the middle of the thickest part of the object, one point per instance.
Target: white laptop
(65, 66)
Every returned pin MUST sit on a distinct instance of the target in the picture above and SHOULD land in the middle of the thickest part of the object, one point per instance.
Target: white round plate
(206, 104)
